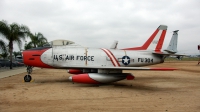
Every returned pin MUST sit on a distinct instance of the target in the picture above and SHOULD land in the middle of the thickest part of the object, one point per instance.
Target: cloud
(98, 23)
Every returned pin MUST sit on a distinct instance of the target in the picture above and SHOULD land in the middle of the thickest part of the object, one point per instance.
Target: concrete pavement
(15, 71)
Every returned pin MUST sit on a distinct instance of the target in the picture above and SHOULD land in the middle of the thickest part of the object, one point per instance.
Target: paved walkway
(8, 72)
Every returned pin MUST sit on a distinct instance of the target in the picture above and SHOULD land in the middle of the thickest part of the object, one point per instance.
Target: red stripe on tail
(160, 42)
(146, 44)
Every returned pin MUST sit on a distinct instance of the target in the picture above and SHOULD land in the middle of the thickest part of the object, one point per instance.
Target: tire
(27, 78)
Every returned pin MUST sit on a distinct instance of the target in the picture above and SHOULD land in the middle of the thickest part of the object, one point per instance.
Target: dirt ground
(152, 91)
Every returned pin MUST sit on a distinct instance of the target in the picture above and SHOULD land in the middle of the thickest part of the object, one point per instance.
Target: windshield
(58, 43)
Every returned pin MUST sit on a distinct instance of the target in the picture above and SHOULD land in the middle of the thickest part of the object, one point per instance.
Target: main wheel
(27, 78)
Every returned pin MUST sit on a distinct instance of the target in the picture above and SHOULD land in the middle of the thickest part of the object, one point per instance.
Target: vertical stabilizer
(114, 45)
(155, 41)
(172, 47)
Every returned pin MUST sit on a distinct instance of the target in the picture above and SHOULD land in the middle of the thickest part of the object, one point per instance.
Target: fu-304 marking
(145, 60)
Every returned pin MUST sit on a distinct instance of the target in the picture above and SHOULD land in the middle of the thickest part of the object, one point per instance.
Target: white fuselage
(67, 56)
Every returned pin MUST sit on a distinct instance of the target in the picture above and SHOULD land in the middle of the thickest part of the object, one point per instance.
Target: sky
(98, 23)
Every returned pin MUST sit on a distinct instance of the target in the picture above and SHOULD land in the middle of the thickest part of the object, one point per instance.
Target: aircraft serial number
(145, 60)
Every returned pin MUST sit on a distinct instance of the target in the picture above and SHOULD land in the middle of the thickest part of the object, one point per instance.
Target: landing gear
(28, 78)
(29, 69)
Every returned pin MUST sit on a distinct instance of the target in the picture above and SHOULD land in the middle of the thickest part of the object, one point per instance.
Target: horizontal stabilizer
(177, 54)
(168, 54)
(161, 53)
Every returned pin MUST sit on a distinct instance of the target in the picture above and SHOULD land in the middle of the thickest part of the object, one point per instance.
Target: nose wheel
(28, 78)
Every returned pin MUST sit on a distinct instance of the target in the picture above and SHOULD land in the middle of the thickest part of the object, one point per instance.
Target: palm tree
(28, 46)
(14, 33)
(4, 55)
(2, 46)
(37, 40)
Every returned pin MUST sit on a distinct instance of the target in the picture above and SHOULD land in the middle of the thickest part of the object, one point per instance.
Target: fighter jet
(98, 65)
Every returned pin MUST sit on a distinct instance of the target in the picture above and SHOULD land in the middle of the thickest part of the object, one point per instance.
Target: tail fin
(172, 48)
(154, 42)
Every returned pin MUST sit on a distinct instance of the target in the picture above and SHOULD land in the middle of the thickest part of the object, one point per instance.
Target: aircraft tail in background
(172, 47)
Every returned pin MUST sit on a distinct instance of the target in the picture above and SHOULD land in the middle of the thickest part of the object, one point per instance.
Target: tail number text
(145, 60)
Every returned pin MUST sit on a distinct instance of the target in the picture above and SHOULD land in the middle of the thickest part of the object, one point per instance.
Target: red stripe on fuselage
(109, 57)
(114, 57)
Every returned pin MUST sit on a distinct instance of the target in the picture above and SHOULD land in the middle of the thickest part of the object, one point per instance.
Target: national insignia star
(126, 60)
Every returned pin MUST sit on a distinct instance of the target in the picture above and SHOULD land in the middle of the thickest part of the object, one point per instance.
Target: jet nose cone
(70, 78)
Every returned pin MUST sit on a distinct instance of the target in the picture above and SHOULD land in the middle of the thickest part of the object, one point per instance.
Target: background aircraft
(98, 65)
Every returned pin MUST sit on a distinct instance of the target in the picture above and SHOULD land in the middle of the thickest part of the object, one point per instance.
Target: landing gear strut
(29, 69)
(28, 78)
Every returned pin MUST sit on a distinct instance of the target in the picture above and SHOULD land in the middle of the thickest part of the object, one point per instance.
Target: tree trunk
(11, 51)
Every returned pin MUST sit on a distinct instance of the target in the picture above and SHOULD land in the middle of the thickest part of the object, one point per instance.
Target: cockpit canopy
(59, 43)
